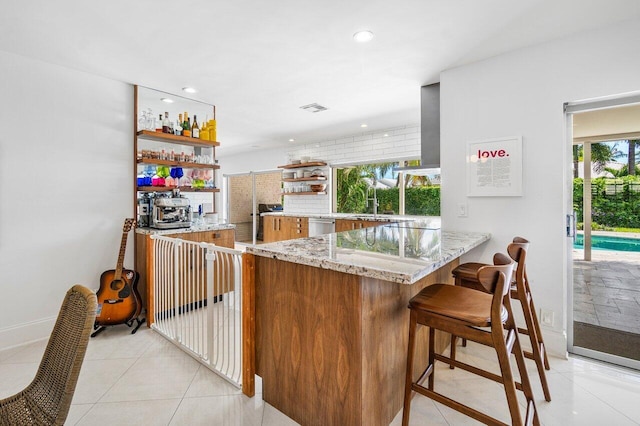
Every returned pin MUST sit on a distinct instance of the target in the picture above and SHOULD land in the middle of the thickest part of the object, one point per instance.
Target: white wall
(66, 152)
(522, 93)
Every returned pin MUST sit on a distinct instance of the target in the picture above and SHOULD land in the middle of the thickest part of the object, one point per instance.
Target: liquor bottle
(178, 126)
(158, 124)
(204, 131)
(212, 130)
(195, 129)
(166, 124)
(186, 127)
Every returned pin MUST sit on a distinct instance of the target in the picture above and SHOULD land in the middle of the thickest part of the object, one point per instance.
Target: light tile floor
(143, 379)
(606, 290)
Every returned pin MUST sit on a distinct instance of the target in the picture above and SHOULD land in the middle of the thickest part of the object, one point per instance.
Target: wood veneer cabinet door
(270, 232)
(345, 225)
(222, 238)
(349, 225)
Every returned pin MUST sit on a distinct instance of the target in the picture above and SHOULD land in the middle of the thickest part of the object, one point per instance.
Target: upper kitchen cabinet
(174, 143)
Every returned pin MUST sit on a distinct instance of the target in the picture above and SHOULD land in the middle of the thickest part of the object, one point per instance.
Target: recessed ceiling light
(363, 125)
(189, 90)
(167, 100)
(292, 140)
(363, 36)
(386, 135)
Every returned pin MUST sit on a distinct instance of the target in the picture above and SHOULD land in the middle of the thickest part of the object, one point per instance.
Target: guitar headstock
(128, 224)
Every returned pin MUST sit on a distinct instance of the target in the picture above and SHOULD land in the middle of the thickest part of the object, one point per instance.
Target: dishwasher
(321, 226)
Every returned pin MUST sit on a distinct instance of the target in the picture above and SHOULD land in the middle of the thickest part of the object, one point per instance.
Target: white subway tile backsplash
(401, 142)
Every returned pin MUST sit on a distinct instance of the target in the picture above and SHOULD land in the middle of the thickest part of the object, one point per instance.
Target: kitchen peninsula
(331, 317)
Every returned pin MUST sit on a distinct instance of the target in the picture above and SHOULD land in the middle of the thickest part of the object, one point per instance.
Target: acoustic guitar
(118, 299)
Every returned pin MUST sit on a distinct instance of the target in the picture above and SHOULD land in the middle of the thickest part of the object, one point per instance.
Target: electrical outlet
(546, 317)
(462, 209)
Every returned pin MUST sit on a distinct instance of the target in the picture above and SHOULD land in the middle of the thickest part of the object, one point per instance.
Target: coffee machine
(170, 213)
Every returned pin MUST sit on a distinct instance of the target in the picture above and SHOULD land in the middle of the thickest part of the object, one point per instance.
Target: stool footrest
(478, 415)
(475, 370)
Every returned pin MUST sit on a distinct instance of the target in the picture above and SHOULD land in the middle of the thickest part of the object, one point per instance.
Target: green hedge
(421, 200)
(615, 203)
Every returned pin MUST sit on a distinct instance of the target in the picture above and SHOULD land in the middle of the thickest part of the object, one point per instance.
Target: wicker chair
(47, 399)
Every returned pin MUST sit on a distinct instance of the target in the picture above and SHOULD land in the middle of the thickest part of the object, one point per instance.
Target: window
(377, 188)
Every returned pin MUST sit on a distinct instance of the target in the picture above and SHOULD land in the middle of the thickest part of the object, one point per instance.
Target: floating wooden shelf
(182, 140)
(158, 162)
(309, 179)
(305, 193)
(181, 188)
(301, 165)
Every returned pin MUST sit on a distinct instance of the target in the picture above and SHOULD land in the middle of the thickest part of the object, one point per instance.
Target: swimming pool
(603, 242)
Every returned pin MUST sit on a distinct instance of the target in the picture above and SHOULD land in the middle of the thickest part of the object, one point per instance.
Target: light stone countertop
(397, 252)
(353, 216)
(193, 228)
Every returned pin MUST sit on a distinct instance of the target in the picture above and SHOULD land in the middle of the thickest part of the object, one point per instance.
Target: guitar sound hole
(116, 285)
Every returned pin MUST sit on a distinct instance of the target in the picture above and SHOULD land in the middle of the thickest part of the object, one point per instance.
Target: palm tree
(413, 180)
(631, 156)
(602, 153)
(623, 171)
(577, 156)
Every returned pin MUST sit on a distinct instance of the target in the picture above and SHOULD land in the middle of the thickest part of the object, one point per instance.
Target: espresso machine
(165, 210)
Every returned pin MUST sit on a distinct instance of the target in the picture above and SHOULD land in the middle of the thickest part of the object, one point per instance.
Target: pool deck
(606, 290)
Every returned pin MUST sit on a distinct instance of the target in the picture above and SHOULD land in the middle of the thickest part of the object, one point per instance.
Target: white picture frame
(494, 167)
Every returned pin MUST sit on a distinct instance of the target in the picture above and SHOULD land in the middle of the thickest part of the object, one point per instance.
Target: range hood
(429, 132)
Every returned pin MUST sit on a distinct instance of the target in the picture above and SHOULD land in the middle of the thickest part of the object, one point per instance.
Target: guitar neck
(123, 246)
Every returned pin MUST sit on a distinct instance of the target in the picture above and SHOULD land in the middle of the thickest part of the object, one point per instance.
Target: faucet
(374, 199)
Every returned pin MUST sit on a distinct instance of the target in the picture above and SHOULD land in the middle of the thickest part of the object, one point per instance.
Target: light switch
(462, 210)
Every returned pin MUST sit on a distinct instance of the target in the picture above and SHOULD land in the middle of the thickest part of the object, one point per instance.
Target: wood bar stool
(463, 311)
(466, 275)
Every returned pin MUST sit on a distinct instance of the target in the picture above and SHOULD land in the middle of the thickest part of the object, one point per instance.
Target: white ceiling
(259, 61)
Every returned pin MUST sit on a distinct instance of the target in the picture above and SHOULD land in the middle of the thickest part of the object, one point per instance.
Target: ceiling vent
(313, 108)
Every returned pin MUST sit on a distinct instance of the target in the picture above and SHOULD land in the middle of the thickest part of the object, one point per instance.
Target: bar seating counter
(331, 317)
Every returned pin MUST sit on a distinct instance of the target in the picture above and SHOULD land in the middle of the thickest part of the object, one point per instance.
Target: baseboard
(22, 334)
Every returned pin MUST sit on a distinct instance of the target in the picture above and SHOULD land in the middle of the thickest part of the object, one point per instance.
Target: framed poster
(494, 167)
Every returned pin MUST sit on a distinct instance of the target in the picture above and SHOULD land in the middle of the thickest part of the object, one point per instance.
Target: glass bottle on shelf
(166, 124)
(142, 121)
(186, 128)
(195, 130)
(212, 130)
(204, 131)
(158, 124)
(178, 126)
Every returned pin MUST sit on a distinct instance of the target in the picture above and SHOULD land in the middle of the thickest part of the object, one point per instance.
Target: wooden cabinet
(272, 229)
(222, 238)
(144, 260)
(297, 227)
(349, 225)
(280, 228)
